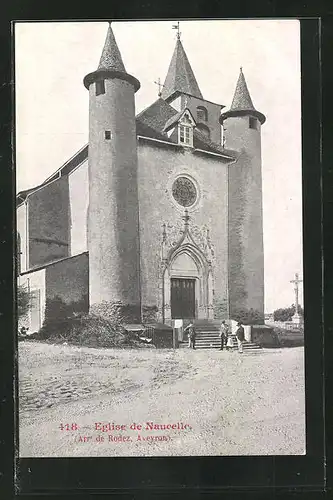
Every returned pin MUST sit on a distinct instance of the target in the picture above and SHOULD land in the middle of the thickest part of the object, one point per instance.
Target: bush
(88, 330)
(23, 301)
(247, 316)
(67, 323)
(286, 314)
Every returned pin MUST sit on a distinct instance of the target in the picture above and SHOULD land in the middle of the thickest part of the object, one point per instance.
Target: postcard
(159, 238)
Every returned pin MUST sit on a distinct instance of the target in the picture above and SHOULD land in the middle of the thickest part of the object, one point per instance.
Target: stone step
(234, 348)
(249, 345)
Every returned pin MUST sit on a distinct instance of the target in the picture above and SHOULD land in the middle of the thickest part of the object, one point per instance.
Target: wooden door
(182, 298)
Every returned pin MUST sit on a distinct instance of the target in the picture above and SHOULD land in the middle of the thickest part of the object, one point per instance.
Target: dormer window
(185, 129)
(185, 134)
(180, 128)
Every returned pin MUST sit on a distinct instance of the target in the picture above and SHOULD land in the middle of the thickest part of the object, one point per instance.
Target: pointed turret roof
(110, 64)
(111, 57)
(242, 99)
(242, 103)
(180, 76)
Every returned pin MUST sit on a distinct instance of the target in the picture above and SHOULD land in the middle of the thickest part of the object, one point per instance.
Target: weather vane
(160, 86)
(176, 27)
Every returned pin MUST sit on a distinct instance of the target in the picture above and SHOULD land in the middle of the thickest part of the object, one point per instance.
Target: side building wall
(65, 282)
(49, 223)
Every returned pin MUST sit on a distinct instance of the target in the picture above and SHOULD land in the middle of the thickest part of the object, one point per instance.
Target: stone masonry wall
(159, 166)
(246, 254)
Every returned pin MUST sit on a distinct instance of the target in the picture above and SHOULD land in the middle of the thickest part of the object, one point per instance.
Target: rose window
(184, 191)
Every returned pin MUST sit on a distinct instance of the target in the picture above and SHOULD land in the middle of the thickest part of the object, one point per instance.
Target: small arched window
(100, 87)
(204, 129)
(202, 114)
(253, 123)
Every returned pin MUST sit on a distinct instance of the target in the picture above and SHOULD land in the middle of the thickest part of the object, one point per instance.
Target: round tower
(242, 133)
(113, 221)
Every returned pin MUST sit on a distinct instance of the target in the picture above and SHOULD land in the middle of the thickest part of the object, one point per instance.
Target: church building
(159, 216)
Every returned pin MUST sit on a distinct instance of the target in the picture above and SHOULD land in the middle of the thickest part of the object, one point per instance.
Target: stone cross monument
(297, 318)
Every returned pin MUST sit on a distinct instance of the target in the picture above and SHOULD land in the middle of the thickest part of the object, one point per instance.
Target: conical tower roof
(110, 64)
(242, 99)
(242, 103)
(111, 58)
(180, 76)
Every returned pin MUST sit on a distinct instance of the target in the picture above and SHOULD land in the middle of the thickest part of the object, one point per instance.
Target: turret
(113, 228)
(242, 132)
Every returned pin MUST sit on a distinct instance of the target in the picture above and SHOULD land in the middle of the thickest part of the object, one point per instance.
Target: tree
(286, 314)
(23, 301)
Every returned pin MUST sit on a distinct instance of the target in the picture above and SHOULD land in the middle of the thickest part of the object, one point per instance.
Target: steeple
(180, 76)
(111, 64)
(242, 103)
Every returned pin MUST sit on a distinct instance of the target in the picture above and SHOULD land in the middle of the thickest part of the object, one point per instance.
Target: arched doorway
(185, 276)
(187, 285)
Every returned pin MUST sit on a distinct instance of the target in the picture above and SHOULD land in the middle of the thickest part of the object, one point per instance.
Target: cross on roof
(160, 86)
(176, 27)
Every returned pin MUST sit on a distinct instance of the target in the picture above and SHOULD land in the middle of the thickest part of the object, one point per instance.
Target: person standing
(223, 334)
(240, 337)
(191, 335)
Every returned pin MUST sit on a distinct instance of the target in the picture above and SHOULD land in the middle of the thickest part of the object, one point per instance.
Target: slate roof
(111, 58)
(242, 99)
(159, 114)
(110, 63)
(180, 76)
(156, 115)
(242, 102)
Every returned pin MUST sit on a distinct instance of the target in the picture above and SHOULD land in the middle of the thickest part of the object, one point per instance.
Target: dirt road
(202, 402)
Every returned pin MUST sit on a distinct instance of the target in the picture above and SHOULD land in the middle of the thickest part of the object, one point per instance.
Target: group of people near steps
(225, 336)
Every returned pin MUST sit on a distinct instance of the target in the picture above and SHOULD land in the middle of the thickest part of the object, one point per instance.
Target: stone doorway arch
(187, 262)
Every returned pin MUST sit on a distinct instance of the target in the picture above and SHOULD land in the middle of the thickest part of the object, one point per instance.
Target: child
(230, 342)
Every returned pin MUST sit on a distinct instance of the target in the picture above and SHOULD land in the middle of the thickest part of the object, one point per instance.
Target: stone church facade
(159, 217)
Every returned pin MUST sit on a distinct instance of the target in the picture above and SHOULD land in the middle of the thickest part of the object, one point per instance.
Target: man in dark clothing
(240, 337)
(223, 334)
(191, 335)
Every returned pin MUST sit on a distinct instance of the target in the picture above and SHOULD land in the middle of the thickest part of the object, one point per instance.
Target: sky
(51, 60)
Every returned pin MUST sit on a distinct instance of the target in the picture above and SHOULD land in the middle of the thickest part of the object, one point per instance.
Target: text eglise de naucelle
(148, 426)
